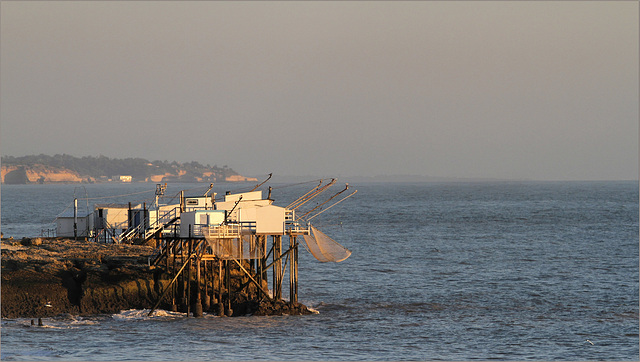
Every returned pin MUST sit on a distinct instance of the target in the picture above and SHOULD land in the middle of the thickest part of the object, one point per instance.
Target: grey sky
(535, 90)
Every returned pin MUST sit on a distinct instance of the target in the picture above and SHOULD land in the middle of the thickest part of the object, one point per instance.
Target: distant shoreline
(419, 179)
(44, 169)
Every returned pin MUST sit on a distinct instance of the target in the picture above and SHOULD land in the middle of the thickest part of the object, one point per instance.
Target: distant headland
(65, 168)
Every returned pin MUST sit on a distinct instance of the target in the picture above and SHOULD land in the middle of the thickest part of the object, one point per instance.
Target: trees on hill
(138, 168)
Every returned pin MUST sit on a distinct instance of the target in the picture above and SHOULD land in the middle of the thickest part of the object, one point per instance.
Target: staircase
(169, 218)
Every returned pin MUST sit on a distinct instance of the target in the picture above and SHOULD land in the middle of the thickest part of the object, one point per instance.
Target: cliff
(38, 174)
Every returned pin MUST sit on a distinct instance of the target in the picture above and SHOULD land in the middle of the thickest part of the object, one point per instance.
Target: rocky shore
(45, 277)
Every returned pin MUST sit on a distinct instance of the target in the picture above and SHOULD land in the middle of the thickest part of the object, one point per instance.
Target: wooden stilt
(197, 309)
(220, 305)
(174, 306)
(189, 278)
(227, 272)
(262, 246)
(259, 266)
(277, 268)
(254, 266)
(293, 271)
(183, 287)
(214, 300)
(207, 302)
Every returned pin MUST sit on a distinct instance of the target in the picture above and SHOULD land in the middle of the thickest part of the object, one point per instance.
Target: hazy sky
(519, 90)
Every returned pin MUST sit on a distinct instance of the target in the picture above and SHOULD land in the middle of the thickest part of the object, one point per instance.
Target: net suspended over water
(324, 248)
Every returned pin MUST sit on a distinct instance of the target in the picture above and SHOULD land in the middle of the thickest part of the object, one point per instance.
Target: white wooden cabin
(111, 216)
(64, 226)
(194, 221)
(263, 217)
(248, 200)
(266, 220)
(192, 203)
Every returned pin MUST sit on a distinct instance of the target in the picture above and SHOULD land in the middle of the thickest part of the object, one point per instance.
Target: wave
(63, 321)
(143, 314)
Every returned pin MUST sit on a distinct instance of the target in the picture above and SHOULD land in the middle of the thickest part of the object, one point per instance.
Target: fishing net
(324, 248)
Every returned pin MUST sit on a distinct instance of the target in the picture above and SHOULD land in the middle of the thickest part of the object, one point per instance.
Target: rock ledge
(45, 277)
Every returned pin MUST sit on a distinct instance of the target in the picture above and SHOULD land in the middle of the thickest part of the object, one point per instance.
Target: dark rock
(51, 276)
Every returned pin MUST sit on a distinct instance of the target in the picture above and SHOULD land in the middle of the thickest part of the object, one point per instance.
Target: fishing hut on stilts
(219, 253)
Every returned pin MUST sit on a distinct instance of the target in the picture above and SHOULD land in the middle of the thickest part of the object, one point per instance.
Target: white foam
(139, 314)
(310, 304)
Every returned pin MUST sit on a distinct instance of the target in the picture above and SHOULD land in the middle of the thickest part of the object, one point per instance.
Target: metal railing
(139, 230)
(295, 228)
(234, 241)
(167, 218)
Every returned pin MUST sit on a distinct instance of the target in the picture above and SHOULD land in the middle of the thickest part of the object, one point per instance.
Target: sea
(439, 271)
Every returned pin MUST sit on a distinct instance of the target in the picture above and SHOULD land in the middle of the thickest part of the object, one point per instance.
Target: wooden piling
(277, 267)
(183, 286)
(262, 246)
(207, 303)
(293, 271)
(174, 290)
(214, 296)
(189, 277)
(227, 272)
(220, 305)
(197, 310)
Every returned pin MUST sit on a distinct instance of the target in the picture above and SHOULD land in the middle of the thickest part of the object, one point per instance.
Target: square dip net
(324, 248)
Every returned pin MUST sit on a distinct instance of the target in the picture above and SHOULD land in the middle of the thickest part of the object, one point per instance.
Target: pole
(205, 284)
(220, 306)
(212, 277)
(174, 306)
(189, 280)
(183, 299)
(144, 218)
(262, 246)
(75, 217)
(197, 310)
(227, 273)
(277, 269)
(293, 271)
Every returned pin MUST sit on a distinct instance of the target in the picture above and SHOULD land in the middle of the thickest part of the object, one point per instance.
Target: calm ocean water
(439, 271)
